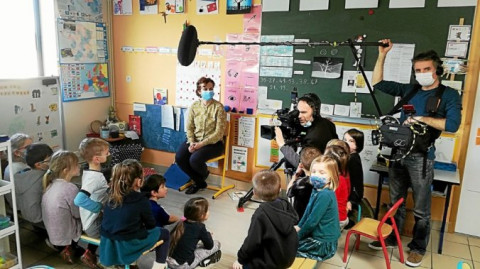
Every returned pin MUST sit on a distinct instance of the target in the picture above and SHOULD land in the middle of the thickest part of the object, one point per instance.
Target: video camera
(289, 123)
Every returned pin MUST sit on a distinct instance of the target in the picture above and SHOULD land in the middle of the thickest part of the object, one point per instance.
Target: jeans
(193, 164)
(406, 173)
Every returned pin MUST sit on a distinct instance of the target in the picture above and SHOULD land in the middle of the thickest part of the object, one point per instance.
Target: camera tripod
(289, 170)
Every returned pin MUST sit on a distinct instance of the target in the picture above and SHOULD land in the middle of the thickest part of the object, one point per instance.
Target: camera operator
(438, 107)
(318, 130)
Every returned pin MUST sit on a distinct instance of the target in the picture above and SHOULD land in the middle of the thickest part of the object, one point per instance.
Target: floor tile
(475, 253)
(451, 237)
(322, 265)
(337, 259)
(453, 249)
(447, 262)
(474, 241)
(361, 260)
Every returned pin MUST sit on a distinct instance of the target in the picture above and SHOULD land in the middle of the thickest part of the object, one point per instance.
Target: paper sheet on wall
(350, 4)
(239, 159)
(207, 7)
(354, 81)
(185, 119)
(275, 5)
(398, 64)
(406, 3)
(457, 3)
(178, 116)
(167, 117)
(246, 131)
(186, 81)
(313, 5)
(147, 8)
(122, 7)
(444, 147)
(455, 84)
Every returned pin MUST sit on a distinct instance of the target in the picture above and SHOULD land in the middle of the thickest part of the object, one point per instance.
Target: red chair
(376, 230)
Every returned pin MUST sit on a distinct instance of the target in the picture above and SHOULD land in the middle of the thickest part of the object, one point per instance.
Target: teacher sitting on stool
(205, 128)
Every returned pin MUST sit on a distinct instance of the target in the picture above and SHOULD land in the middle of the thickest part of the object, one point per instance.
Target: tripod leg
(245, 198)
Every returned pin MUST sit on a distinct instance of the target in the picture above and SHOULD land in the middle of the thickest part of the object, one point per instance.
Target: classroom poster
(207, 7)
(239, 159)
(252, 21)
(84, 81)
(327, 67)
(148, 7)
(122, 7)
(239, 6)
(82, 42)
(160, 96)
(187, 77)
(246, 131)
(174, 6)
(85, 10)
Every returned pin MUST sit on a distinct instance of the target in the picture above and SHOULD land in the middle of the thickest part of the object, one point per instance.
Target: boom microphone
(187, 47)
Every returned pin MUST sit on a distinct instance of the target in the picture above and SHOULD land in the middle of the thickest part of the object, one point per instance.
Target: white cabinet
(5, 188)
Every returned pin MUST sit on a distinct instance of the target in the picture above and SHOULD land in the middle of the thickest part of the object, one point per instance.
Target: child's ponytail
(195, 210)
(123, 177)
(175, 236)
(61, 163)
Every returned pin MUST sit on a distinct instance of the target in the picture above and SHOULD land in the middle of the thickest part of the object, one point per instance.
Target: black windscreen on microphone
(187, 47)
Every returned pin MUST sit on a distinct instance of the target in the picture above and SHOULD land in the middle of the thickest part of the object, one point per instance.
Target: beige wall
(77, 117)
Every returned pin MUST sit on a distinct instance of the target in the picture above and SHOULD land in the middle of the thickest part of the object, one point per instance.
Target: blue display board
(154, 136)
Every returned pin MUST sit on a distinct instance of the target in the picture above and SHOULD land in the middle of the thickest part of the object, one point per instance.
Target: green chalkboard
(427, 28)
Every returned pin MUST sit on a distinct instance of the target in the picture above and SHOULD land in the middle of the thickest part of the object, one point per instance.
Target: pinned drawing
(327, 67)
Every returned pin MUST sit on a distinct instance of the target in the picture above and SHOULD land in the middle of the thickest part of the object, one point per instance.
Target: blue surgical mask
(318, 182)
(207, 95)
(307, 124)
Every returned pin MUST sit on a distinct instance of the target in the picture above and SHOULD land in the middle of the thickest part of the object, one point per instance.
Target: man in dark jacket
(272, 241)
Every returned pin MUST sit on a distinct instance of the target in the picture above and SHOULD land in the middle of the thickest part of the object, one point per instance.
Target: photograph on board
(327, 67)
(239, 6)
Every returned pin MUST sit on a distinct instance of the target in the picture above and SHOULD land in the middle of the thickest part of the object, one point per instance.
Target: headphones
(312, 101)
(433, 56)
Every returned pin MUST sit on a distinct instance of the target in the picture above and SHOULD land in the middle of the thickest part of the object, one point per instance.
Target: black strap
(438, 94)
(404, 99)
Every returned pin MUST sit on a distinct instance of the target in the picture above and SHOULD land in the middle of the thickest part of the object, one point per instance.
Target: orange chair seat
(369, 227)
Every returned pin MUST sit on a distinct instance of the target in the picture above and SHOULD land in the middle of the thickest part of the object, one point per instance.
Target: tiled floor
(230, 227)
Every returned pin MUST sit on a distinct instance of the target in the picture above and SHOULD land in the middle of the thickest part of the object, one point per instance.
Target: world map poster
(84, 81)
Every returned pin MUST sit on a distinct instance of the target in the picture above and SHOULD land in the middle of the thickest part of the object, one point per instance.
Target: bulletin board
(154, 136)
(235, 133)
(427, 28)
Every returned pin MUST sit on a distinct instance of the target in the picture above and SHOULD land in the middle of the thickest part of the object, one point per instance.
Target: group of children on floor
(124, 211)
(324, 191)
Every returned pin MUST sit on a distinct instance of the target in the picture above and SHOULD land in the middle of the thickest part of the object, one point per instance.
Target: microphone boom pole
(187, 47)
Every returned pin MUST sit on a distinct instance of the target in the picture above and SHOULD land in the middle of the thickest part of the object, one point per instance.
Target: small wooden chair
(96, 241)
(376, 230)
(226, 153)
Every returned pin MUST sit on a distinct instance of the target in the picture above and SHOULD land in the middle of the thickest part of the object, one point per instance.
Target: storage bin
(7, 260)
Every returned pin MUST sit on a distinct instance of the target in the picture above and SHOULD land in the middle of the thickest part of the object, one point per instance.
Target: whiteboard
(29, 107)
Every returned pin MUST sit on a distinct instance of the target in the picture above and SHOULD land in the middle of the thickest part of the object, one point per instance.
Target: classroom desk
(448, 177)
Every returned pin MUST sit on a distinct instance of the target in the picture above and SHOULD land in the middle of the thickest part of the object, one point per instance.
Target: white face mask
(307, 124)
(425, 79)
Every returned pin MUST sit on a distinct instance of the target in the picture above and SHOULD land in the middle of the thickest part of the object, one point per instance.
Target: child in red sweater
(340, 151)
